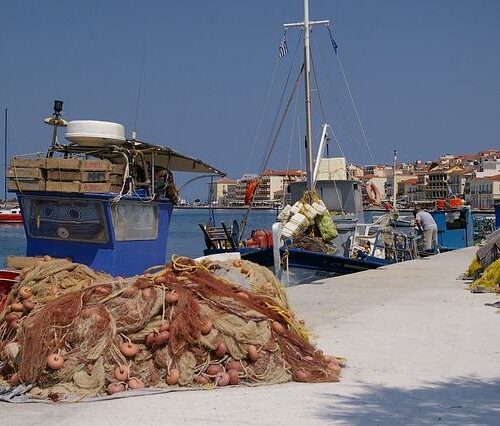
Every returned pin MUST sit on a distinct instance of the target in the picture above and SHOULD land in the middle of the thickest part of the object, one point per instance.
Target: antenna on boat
(56, 121)
(306, 26)
(5, 154)
(394, 188)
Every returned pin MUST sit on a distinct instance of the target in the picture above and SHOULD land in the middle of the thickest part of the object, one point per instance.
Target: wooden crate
(116, 179)
(28, 162)
(95, 187)
(59, 186)
(25, 185)
(80, 187)
(117, 169)
(78, 164)
(32, 173)
(78, 175)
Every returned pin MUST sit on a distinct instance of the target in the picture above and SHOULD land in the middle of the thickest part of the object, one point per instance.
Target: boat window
(65, 219)
(134, 221)
(455, 220)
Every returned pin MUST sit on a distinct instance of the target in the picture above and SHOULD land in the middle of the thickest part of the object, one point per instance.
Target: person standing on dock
(427, 225)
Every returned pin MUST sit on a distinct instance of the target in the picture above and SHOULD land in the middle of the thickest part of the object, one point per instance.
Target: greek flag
(282, 48)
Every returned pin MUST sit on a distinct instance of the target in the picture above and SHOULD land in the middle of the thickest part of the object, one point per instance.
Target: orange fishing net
(186, 324)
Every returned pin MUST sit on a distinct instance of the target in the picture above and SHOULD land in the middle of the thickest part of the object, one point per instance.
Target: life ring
(373, 193)
(250, 191)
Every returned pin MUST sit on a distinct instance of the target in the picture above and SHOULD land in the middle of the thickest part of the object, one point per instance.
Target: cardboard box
(78, 164)
(24, 173)
(28, 162)
(82, 176)
(25, 185)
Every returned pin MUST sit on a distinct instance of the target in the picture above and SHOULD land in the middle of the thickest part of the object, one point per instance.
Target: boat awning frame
(160, 156)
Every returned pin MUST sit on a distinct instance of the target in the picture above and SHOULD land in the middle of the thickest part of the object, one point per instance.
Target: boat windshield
(65, 219)
(132, 221)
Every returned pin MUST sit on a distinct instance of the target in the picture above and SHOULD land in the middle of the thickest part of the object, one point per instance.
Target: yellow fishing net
(489, 280)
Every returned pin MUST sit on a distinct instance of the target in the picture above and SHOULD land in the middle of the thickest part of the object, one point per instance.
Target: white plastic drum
(95, 133)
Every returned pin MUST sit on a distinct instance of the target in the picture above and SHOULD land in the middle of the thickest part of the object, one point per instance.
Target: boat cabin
(101, 200)
(455, 228)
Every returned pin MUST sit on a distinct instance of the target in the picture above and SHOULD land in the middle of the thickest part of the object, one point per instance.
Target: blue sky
(425, 74)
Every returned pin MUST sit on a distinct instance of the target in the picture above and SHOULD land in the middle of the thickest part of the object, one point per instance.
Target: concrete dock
(420, 349)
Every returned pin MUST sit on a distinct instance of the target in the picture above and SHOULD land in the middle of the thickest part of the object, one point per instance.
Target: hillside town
(475, 178)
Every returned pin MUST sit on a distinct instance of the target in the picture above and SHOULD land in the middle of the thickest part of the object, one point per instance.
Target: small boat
(101, 199)
(358, 246)
(340, 195)
(10, 215)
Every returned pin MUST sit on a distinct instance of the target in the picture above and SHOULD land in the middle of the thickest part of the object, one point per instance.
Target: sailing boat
(8, 214)
(339, 195)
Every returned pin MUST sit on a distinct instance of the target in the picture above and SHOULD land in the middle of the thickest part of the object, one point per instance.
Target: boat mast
(307, 86)
(306, 26)
(5, 157)
(394, 186)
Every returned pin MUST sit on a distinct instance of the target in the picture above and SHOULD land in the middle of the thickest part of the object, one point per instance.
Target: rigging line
(140, 84)
(275, 139)
(262, 166)
(341, 109)
(320, 101)
(355, 109)
(282, 97)
(270, 151)
(261, 120)
(292, 135)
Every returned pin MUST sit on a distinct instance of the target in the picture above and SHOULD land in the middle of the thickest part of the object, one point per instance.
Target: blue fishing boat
(101, 199)
(357, 246)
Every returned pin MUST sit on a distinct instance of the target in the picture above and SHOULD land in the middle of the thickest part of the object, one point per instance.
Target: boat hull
(308, 260)
(10, 218)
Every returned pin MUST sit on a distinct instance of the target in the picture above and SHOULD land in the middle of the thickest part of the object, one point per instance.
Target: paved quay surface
(420, 348)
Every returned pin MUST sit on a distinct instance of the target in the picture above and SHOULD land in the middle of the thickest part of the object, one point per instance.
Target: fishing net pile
(186, 324)
(485, 267)
(309, 223)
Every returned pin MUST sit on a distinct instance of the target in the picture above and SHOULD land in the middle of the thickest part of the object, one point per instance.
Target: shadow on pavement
(463, 400)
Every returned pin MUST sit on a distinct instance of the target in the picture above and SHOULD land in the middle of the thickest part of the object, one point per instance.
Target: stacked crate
(76, 175)
(59, 175)
(116, 177)
(26, 174)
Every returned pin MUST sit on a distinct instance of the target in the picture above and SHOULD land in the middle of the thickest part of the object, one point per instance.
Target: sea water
(185, 236)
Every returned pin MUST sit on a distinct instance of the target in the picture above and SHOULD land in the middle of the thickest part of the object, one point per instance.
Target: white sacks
(285, 214)
(297, 223)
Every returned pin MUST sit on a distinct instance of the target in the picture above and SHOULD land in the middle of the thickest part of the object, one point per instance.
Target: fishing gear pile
(485, 267)
(187, 324)
(308, 217)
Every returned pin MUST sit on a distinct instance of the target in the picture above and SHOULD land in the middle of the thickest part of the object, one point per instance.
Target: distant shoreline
(406, 210)
(225, 208)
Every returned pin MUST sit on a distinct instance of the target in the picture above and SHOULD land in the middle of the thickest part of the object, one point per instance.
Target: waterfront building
(484, 192)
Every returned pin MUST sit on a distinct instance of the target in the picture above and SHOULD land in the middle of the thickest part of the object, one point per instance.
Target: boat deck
(420, 349)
